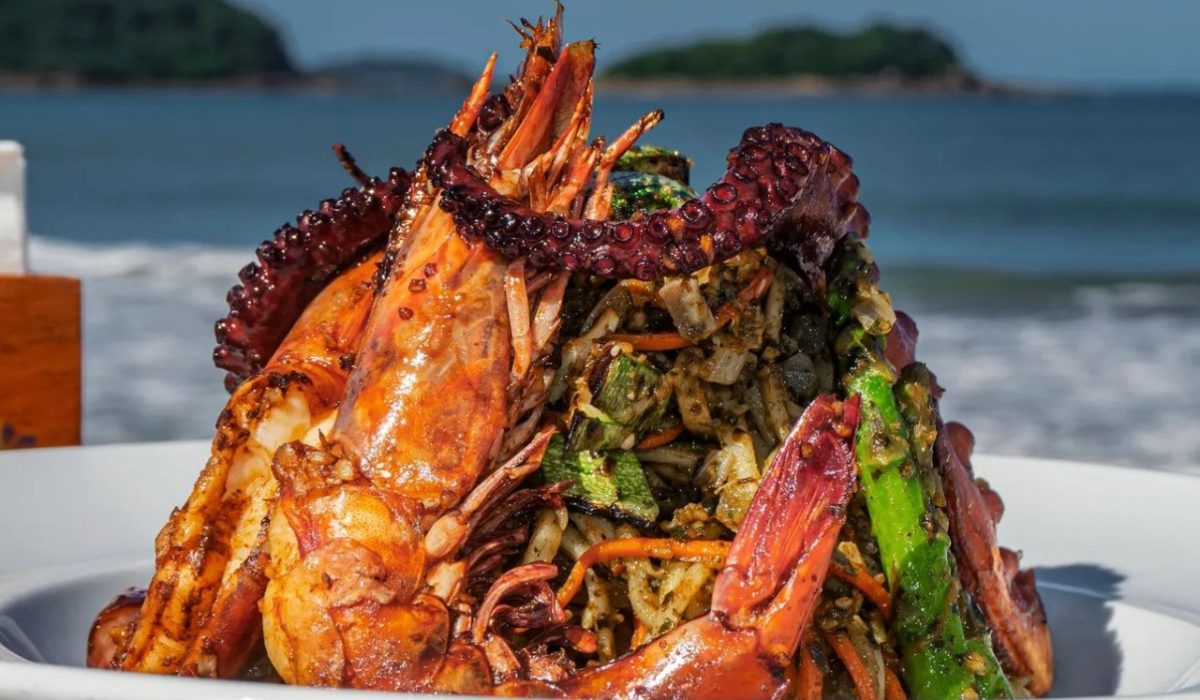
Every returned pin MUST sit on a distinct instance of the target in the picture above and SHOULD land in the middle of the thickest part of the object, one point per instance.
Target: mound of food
(538, 418)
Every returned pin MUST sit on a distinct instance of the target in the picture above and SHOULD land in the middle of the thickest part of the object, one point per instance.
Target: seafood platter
(536, 417)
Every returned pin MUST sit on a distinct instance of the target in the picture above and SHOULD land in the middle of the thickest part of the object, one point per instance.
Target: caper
(809, 333)
(800, 376)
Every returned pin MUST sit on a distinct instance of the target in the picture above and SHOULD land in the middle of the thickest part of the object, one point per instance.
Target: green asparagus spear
(938, 659)
(920, 415)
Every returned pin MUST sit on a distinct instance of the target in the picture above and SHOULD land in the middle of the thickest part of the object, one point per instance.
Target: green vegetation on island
(880, 51)
(129, 41)
(72, 43)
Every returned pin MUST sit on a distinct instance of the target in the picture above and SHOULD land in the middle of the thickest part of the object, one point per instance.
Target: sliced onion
(724, 366)
(732, 474)
(683, 300)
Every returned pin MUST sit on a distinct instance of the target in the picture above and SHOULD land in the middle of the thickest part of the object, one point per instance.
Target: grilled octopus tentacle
(296, 264)
(783, 183)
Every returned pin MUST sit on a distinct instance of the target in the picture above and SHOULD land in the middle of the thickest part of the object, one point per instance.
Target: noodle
(546, 537)
(595, 528)
(639, 574)
(774, 396)
(678, 594)
(670, 473)
(573, 542)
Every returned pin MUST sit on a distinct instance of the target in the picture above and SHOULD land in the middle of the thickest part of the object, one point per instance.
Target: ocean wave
(95, 261)
(148, 315)
(1141, 298)
(1048, 295)
(1094, 368)
(1102, 386)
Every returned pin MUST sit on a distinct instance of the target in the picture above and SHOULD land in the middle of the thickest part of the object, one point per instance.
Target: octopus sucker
(296, 264)
(784, 185)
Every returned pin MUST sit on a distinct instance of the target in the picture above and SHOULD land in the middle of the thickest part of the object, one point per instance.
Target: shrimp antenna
(350, 165)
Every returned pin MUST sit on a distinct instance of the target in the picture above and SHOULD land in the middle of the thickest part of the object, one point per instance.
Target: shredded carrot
(859, 674)
(638, 547)
(810, 679)
(652, 342)
(892, 688)
(663, 437)
(670, 340)
(640, 633)
(870, 588)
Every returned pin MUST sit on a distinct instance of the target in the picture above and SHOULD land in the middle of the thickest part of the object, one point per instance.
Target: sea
(1048, 247)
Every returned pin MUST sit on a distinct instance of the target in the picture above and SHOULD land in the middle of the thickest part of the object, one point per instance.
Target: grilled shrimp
(201, 610)
(438, 381)
(200, 614)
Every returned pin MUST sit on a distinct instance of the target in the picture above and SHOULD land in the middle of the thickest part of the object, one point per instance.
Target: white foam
(1114, 382)
(1103, 386)
(1141, 298)
(148, 318)
(97, 261)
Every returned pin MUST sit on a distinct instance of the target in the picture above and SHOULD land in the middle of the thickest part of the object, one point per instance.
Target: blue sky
(1098, 43)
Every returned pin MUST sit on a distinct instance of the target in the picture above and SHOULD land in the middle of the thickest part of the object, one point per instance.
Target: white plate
(1113, 548)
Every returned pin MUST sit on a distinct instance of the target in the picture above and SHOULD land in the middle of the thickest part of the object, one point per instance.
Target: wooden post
(40, 390)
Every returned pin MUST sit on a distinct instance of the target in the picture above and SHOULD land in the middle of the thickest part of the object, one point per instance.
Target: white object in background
(12, 209)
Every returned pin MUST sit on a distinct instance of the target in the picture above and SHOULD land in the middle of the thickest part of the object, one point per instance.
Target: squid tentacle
(784, 184)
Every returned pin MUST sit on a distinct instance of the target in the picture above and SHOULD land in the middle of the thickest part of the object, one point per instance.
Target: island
(116, 42)
(67, 44)
(803, 59)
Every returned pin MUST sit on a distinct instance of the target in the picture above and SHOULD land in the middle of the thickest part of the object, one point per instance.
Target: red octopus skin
(784, 186)
(1006, 595)
(295, 265)
(901, 346)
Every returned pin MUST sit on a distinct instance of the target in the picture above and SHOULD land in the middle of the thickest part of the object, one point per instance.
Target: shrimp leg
(423, 417)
